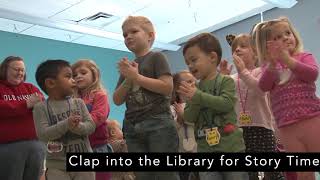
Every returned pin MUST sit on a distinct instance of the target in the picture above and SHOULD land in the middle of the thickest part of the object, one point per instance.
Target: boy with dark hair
(210, 103)
(63, 123)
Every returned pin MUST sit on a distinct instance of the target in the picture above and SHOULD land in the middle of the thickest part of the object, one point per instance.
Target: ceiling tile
(51, 33)
(41, 8)
(116, 8)
(13, 26)
(97, 41)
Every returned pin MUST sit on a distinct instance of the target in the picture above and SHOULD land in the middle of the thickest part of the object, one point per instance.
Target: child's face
(187, 77)
(135, 38)
(83, 77)
(281, 32)
(200, 64)
(64, 83)
(244, 50)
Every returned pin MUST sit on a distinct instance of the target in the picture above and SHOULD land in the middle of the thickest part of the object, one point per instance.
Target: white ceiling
(175, 20)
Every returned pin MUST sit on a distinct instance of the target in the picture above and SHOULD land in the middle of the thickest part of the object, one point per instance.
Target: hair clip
(230, 38)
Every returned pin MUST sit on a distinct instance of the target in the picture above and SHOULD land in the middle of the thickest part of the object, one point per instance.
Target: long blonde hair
(96, 84)
(263, 30)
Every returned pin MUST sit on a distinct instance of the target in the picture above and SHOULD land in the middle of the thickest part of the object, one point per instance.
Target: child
(89, 88)
(253, 109)
(118, 145)
(187, 141)
(63, 123)
(289, 75)
(210, 104)
(146, 85)
(185, 132)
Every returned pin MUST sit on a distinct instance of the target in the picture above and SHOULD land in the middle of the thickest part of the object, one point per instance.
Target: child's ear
(49, 83)
(213, 57)
(151, 35)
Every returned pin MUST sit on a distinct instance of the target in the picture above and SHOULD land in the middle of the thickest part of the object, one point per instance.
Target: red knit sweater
(16, 121)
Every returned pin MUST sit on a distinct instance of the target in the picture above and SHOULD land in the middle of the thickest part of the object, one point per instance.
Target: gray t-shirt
(51, 122)
(140, 102)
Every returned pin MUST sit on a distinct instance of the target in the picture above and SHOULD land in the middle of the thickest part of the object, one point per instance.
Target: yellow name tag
(245, 118)
(212, 136)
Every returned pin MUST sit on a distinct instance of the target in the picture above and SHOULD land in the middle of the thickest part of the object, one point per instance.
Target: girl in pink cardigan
(289, 74)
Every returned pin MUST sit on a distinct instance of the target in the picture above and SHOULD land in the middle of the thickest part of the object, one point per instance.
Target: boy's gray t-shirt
(51, 122)
(140, 102)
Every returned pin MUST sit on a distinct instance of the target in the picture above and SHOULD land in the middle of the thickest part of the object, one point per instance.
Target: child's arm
(244, 74)
(305, 68)
(223, 103)
(251, 80)
(44, 131)
(191, 113)
(100, 108)
(86, 126)
(161, 83)
(268, 78)
(119, 96)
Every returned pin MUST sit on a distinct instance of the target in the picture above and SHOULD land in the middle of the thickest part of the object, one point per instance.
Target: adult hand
(33, 99)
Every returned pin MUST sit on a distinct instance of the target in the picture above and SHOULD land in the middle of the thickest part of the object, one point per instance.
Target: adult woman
(21, 154)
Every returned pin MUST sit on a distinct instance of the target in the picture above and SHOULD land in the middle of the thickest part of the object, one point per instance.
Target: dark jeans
(154, 134)
(22, 160)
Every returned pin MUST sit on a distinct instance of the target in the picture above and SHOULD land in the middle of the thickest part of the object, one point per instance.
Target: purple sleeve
(268, 78)
(306, 68)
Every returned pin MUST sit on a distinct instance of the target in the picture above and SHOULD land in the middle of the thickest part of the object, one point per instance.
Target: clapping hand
(187, 90)
(33, 99)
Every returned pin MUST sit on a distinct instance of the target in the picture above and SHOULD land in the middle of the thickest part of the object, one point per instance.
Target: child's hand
(128, 69)
(74, 121)
(179, 108)
(224, 69)
(240, 66)
(273, 52)
(33, 99)
(187, 89)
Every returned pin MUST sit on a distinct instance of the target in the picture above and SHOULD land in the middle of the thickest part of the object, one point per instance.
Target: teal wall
(35, 50)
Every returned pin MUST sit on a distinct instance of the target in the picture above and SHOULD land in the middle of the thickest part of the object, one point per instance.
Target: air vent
(98, 16)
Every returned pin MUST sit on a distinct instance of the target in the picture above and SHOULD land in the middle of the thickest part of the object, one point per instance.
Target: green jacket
(213, 106)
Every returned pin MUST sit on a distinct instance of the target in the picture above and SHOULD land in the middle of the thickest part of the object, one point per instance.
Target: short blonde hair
(262, 31)
(90, 64)
(141, 21)
(112, 124)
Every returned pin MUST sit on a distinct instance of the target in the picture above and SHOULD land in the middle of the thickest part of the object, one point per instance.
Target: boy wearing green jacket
(210, 103)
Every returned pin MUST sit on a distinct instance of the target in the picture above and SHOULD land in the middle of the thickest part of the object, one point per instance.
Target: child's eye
(288, 33)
